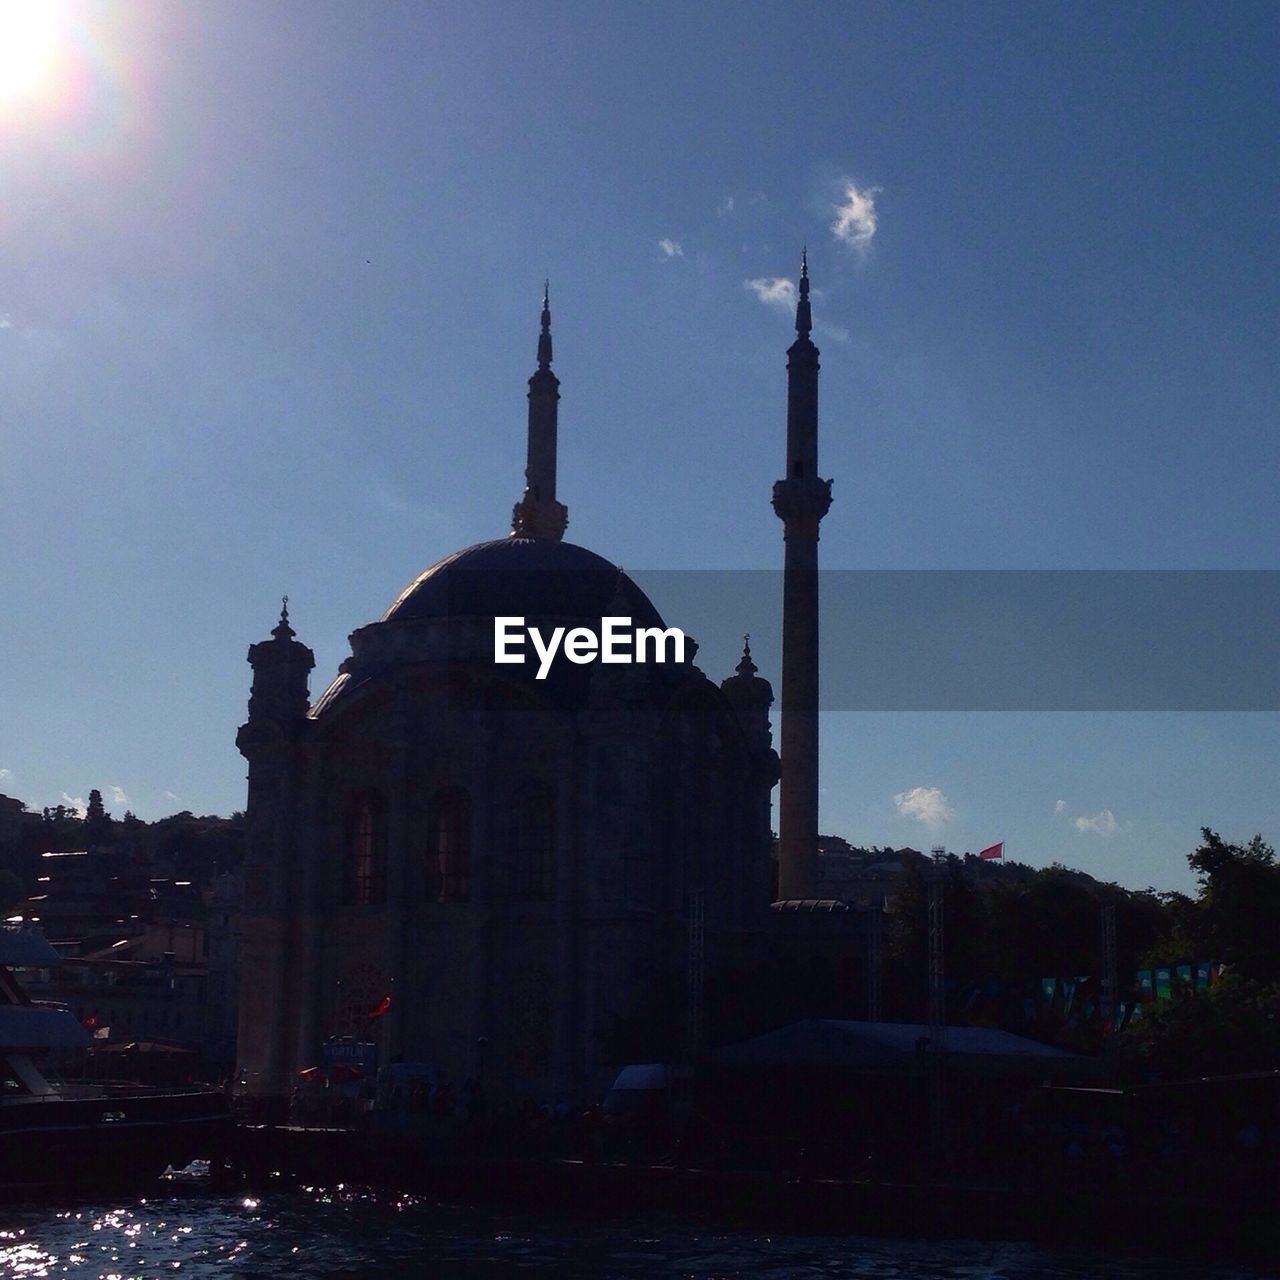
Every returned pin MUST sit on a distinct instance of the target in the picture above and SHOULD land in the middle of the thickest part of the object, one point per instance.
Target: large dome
(527, 577)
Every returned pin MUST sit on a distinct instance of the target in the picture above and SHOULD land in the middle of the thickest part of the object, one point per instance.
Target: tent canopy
(894, 1046)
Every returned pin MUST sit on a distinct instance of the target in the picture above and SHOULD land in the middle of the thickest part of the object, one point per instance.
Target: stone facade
(510, 860)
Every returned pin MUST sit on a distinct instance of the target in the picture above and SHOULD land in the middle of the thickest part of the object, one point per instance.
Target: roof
(25, 1026)
(535, 578)
(823, 1042)
(26, 947)
(530, 577)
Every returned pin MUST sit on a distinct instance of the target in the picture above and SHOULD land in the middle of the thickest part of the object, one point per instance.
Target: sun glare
(29, 35)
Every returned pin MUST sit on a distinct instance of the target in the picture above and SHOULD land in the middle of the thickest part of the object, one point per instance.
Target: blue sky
(268, 301)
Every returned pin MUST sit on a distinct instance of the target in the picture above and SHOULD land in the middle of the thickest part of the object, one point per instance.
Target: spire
(544, 338)
(746, 668)
(538, 514)
(804, 319)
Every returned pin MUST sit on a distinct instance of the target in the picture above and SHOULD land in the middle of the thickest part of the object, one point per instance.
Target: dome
(522, 577)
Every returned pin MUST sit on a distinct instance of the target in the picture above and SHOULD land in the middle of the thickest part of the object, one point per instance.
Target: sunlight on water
(322, 1232)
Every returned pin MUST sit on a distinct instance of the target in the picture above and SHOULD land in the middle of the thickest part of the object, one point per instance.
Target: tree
(1233, 919)
(97, 821)
(1231, 1027)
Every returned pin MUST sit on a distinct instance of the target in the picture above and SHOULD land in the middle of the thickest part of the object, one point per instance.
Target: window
(367, 863)
(449, 847)
(533, 845)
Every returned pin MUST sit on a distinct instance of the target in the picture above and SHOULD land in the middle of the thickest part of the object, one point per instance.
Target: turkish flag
(380, 1008)
(992, 851)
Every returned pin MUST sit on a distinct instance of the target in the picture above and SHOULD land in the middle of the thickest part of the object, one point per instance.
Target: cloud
(118, 796)
(925, 804)
(856, 217)
(5, 775)
(836, 331)
(170, 795)
(76, 804)
(1102, 824)
(670, 248)
(1059, 808)
(725, 208)
(777, 291)
(6, 320)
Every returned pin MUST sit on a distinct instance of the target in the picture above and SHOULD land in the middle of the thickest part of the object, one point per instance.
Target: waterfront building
(479, 870)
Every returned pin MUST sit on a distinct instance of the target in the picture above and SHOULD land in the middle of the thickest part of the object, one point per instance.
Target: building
(480, 870)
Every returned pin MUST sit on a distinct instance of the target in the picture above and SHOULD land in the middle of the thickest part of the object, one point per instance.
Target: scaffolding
(1110, 967)
(697, 971)
(875, 919)
(937, 1001)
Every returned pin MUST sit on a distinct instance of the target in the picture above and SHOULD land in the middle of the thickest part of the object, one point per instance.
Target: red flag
(380, 1008)
(992, 851)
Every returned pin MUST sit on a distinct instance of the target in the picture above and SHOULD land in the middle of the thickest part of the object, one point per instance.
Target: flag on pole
(992, 851)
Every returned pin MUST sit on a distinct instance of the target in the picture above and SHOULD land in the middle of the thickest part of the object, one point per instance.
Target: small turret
(281, 667)
(751, 696)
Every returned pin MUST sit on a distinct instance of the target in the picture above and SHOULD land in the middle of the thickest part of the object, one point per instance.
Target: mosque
(487, 872)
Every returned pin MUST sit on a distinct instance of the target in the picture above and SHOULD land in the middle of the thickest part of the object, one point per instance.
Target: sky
(268, 301)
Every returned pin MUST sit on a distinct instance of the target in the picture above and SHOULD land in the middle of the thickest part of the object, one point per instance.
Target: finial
(746, 668)
(544, 338)
(804, 318)
(282, 629)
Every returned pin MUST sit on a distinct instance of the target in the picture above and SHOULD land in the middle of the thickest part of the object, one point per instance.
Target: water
(347, 1234)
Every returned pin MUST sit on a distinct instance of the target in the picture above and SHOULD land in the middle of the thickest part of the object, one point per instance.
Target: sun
(29, 39)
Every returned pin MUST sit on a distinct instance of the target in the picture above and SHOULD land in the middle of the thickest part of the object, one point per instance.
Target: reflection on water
(340, 1233)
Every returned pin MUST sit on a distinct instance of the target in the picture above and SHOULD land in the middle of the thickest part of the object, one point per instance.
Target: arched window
(449, 847)
(533, 844)
(367, 857)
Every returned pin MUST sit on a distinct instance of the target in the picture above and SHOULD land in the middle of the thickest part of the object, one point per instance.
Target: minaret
(801, 500)
(273, 741)
(538, 514)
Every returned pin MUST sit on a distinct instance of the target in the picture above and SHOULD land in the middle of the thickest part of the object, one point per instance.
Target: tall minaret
(801, 500)
(538, 514)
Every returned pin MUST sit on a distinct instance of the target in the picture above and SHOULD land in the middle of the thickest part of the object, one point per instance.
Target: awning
(32, 1027)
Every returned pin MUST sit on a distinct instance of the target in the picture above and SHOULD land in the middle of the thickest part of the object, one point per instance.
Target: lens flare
(30, 34)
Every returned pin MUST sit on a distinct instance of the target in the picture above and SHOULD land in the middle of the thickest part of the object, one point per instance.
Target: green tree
(1234, 1026)
(1234, 917)
(97, 821)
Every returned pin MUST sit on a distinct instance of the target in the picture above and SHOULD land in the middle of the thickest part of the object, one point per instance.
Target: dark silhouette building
(480, 870)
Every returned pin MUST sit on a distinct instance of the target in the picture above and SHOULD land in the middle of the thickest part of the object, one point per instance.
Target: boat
(84, 1134)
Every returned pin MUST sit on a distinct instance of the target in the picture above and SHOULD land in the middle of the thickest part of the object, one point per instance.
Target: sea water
(340, 1233)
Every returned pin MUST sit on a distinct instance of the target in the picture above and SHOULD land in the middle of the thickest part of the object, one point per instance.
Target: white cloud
(725, 208)
(925, 804)
(777, 291)
(5, 775)
(836, 331)
(1059, 808)
(118, 796)
(856, 217)
(170, 795)
(670, 248)
(76, 804)
(6, 320)
(1102, 824)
